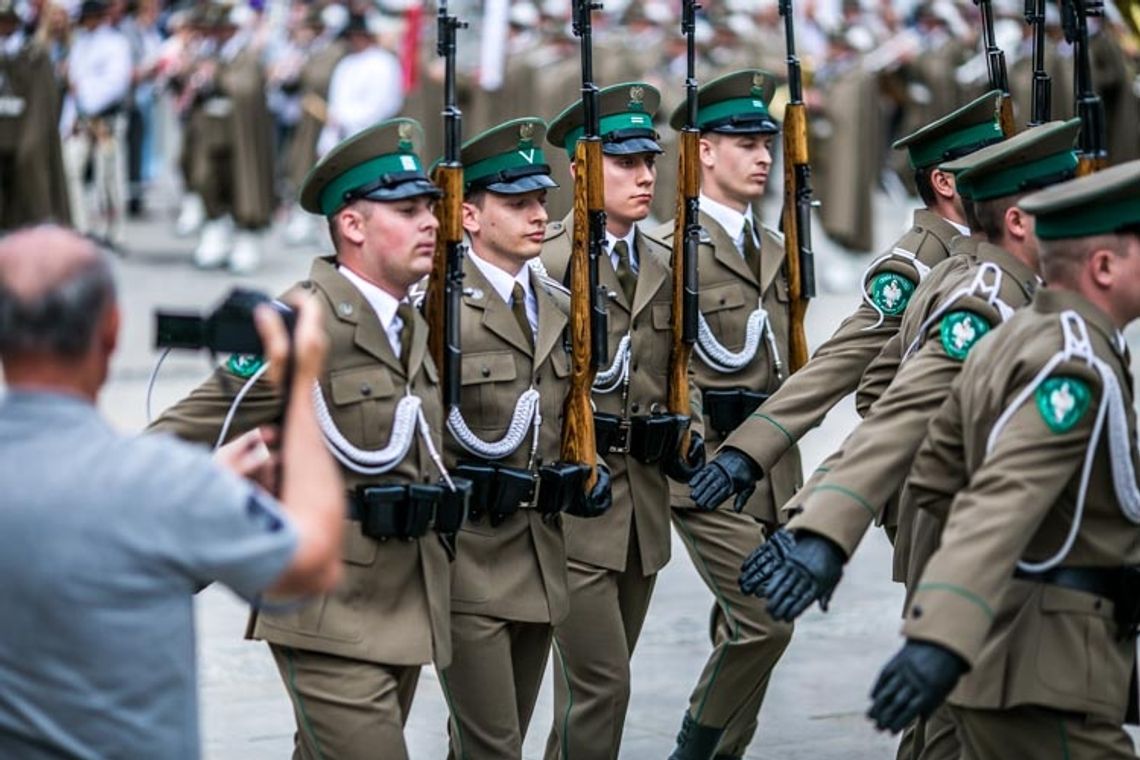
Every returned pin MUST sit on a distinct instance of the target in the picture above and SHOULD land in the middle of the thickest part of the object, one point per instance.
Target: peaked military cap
(973, 126)
(378, 164)
(1098, 204)
(1035, 158)
(626, 114)
(734, 104)
(507, 159)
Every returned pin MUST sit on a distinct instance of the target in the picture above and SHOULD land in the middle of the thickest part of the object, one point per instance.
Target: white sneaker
(191, 216)
(246, 255)
(215, 243)
(299, 229)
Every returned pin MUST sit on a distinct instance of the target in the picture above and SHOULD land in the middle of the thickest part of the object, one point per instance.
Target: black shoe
(696, 742)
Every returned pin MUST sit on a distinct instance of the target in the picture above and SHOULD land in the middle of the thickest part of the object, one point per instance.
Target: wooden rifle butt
(449, 212)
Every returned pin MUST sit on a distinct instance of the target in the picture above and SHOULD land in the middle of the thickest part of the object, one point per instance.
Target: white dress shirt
(960, 227)
(366, 87)
(504, 284)
(383, 303)
(611, 241)
(731, 220)
(100, 69)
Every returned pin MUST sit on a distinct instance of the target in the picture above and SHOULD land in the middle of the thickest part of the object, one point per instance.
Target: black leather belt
(648, 438)
(1099, 581)
(727, 408)
(409, 511)
(500, 491)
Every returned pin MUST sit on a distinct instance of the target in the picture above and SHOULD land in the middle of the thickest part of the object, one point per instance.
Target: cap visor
(757, 127)
(522, 185)
(409, 189)
(632, 145)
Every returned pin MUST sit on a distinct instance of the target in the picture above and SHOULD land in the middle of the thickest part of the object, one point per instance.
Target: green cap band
(503, 162)
(934, 151)
(611, 123)
(1031, 176)
(1086, 220)
(728, 108)
(332, 197)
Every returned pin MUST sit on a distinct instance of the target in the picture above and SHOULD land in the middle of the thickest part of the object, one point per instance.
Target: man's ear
(471, 217)
(350, 223)
(1017, 223)
(1102, 267)
(943, 183)
(109, 331)
(706, 152)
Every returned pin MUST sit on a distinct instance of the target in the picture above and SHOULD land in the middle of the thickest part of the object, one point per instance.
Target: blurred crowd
(223, 109)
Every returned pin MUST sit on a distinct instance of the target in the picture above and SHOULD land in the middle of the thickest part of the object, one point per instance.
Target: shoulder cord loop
(986, 283)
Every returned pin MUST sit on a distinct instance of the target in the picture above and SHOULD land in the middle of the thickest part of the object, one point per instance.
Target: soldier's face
(629, 184)
(735, 167)
(507, 229)
(398, 240)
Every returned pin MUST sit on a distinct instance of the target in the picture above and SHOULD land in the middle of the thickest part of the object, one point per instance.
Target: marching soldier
(614, 559)
(1033, 589)
(351, 659)
(33, 187)
(962, 299)
(508, 586)
(888, 285)
(740, 359)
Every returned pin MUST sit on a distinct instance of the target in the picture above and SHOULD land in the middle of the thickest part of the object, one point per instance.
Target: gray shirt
(104, 539)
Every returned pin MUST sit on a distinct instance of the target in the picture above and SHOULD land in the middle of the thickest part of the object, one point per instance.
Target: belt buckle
(536, 490)
(622, 438)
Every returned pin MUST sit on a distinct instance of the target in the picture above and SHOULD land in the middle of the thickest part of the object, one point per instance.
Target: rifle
(1042, 97)
(796, 217)
(995, 64)
(686, 234)
(588, 328)
(1093, 142)
(445, 283)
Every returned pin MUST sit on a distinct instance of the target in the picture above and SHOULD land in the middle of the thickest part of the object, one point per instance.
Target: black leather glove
(730, 472)
(767, 558)
(600, 498)
(810, 572)
(681, 468)
(914, 682)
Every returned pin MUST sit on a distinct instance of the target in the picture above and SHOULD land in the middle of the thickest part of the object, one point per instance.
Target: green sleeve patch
(1062, 402)
(890, 292)
(245, 366)
(960, 330)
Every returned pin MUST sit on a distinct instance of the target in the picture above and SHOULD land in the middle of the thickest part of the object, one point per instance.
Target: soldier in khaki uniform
(835, 369)
(614, 559)
(351, 659)
(1033, 590)
(736, 366)
(508, 587)
(963, 298)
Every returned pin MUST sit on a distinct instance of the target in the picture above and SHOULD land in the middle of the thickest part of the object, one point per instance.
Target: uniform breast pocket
(483, 376)
(726, 308)
(360, 396)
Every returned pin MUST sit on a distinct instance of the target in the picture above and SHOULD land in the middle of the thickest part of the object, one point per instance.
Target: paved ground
(819, 691)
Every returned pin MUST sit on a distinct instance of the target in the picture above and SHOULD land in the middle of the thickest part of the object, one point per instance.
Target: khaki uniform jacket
(315, 77)
(640, 491)
(729, 293)
(1026, 642)
(852, 488)
(515, 570)
(836, 367)
(392, 606)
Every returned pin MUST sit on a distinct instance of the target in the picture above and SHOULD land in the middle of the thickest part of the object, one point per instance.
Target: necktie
(518, 308)
(751, 249)
(407, 315)
(625, 273)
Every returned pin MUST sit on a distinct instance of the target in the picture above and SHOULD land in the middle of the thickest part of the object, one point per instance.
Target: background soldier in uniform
(736, 367)
(614, 559)
(352, 658)
(1033, 589)
(508, 586)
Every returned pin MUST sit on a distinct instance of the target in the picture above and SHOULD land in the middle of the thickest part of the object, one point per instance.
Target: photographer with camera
(351, 660)
(104, 538)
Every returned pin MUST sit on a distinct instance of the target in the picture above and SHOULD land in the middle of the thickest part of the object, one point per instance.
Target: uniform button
(635, 368)
(723, 301)
(538, 380)
(1097, 604)
(365, 389)
(635, 407)
(486, 371)
(344, 309)
(635, 324)
(916, 612)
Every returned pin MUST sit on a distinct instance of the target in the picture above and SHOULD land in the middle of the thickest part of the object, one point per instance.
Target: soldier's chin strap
(1078, 346)
(526, 418)
(986, 284)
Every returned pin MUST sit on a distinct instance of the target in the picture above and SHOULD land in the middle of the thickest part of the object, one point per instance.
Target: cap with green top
(507, 159)
(1035, 158)
(973, 126)
(1098, 204)
(378, 164)
(733, 104)
(625, 113)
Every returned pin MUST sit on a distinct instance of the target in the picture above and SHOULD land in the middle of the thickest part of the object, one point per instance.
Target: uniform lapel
(607, 277)
(551, 322)
(497, 315)
(725, 248)
(770, 259)
(650, 273)
(349, 305)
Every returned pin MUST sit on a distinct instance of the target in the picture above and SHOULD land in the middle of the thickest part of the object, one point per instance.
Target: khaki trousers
(592, 649)
(1039, 733)
(747, 643)
(933, 738)
(346, 709)
(492, 684)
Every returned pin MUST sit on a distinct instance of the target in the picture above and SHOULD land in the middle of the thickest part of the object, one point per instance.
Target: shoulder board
(663, 231)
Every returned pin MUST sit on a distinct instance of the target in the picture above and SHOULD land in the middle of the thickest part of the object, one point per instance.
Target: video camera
(229, 328)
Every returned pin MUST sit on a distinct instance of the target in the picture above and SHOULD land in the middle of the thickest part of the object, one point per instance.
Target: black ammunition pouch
(499, 491)
(728, 407)
(409, 511)
(647, 437)
(1121, 585)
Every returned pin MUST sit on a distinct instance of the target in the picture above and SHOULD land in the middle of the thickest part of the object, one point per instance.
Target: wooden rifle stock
(795, 155)
(686, 238)
(449, 212)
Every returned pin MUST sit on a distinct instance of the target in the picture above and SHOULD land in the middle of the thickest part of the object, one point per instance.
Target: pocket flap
(489, 367)
(360, 384)
(662, 316)
(1061, 599)
(720, 297)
